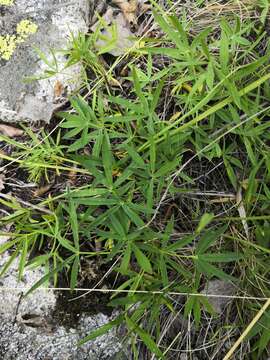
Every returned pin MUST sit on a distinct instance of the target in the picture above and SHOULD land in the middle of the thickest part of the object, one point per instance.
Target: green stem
(220, 105)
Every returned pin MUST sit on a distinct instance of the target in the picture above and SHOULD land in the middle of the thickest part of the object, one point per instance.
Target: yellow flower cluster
(6, 2)
(7, 46)
(8, 43)
(24, 29)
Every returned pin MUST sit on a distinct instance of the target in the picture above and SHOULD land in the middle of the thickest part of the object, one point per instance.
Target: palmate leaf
(264, 339)
(98, 144)
(83, 108)
(179, 269)
(73, 121)
(189, 305)
(7, 245)
(80, 143)
(7, 265)
(173, 128)
(163, 270)
(173, 53)
(194, 305)
(102, 218)
(230, 172)
(224, 51)
(197, 311)
(182, 33)
(156, 96)
(66, 243)
(167, 168)
(88, 192)
(127, 104)
(96, 201)
(117, 225)
(150, 195)
(127, 300)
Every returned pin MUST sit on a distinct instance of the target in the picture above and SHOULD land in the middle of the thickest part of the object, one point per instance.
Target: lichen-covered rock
(45, 25)
(29, 330)
(23, 342)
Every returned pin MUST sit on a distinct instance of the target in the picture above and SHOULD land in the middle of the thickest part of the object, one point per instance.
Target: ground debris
(10, 131)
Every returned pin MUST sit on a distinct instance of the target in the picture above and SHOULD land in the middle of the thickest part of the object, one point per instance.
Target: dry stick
(28, 205)
(157, 292)
(245, 333)
(17, 308)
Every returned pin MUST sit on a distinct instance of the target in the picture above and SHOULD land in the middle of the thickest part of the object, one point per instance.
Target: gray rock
(29, 331)
(39, 303)
(21, 342)
(219, 288)
(55, 21)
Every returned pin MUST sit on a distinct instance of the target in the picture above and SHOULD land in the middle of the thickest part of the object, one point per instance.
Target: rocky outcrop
(52, 23)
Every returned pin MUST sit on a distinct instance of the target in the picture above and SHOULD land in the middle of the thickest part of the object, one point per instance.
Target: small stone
(219, 287)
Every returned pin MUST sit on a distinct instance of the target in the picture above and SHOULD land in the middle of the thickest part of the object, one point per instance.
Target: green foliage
(132, 150)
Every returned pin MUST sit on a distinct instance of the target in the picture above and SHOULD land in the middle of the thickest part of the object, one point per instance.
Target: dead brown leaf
(129, 9)
(42, 190)
(58, 88)
(10, 131)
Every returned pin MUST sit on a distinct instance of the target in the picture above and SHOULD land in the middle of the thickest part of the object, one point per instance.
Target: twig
(17, 308)
(27, 204)
(245, 333)
(158, 292)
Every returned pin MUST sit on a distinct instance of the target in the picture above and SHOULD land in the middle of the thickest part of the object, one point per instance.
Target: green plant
(143, 206)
